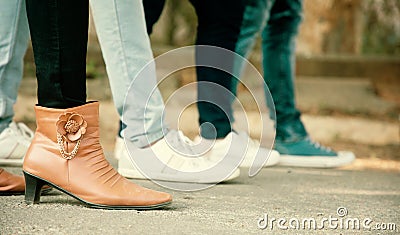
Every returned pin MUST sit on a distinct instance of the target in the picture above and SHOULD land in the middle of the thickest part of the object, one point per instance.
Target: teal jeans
(278, 21)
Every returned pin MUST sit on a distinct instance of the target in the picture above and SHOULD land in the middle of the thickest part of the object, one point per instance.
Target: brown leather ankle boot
(11, 184)
(66, 154)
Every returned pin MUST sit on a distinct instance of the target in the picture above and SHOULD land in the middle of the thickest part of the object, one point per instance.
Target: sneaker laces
(180, 143)
(317, 145)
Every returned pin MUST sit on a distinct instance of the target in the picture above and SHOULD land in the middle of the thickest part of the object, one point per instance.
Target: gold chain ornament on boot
(87, 176)
(70, 129)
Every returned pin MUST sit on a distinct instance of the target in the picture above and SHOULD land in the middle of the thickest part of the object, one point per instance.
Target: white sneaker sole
(135, 174)
(273, 160)
(342, 159)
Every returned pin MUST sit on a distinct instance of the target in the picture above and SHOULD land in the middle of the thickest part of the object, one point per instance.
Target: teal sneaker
(306, 153)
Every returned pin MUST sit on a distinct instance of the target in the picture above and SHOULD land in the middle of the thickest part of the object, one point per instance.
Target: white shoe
(14, 142)
(341, 159)
(239, 144)
(118, 147)
(308, 153)
(172, 159)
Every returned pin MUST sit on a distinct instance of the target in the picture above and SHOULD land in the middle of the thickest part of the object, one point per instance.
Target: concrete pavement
(230, 208)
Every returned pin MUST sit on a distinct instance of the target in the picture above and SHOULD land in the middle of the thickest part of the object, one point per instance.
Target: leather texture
(87, 176)
(10, 183)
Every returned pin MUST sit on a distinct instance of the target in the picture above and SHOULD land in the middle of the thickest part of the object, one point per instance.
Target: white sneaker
(172, 159)
(341, 159)
(14, 142)
(307, 153)
(119, 146)
(242, 145)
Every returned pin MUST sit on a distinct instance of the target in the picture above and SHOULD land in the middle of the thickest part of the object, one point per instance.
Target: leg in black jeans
(152, 12)
(218, 25)
(59, 43)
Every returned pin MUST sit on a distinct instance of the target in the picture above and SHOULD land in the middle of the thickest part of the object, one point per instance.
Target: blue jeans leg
(14, 35)
(126, 50)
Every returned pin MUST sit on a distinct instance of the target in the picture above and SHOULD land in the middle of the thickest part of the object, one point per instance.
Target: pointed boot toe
(66, 154)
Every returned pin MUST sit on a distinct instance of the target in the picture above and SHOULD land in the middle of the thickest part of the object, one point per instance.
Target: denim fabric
(121, 30)
(218, 25)
(14, 35)
(59, 32)
(115, 21)
(152, 12)
(278, 20)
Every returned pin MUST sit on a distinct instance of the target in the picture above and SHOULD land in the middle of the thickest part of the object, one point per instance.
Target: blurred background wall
(338, 38)
(329, 26)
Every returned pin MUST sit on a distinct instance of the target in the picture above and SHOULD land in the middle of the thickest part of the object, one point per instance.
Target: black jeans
(59, 33)
(219, 23)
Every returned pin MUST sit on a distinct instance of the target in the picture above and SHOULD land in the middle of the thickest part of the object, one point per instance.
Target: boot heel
(33, 187)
